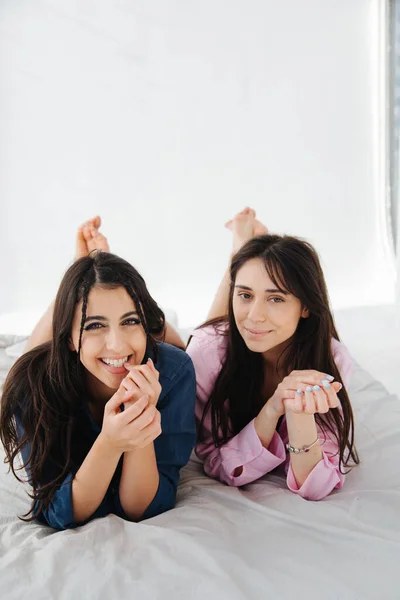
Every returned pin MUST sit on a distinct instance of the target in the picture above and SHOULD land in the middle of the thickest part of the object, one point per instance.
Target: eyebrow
(269, 291)
(100, 318)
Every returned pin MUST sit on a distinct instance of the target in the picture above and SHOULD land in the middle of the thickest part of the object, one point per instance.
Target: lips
(116, 367)
(257, 333)
(116, 362)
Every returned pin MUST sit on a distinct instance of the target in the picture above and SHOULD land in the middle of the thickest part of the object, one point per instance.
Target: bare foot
(88, 238)
(245, 226)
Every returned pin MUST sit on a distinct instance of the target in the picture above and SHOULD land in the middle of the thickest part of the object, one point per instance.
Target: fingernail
(316, 388)
(329, 377)
(309, 388)
(326, 383)
(340, 386)
(299, 391)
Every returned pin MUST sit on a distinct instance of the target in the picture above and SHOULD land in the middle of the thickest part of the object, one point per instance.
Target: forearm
(265, 425)
(42, 331)
(244, 458)
(139, 481)
(302, 431)
(91, 482)
(219, 306)
(172, 337)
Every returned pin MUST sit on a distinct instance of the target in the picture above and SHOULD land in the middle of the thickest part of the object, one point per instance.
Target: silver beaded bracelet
(303, 449)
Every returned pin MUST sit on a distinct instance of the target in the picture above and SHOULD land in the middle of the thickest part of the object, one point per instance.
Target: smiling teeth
(115, 363)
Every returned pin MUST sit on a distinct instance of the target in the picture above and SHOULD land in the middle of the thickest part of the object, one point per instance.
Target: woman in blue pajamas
(103, 413)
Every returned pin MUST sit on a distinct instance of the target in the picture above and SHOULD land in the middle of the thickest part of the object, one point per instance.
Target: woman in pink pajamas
(271, 372)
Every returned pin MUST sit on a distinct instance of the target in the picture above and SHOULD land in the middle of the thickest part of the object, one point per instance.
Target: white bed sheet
(220, 543)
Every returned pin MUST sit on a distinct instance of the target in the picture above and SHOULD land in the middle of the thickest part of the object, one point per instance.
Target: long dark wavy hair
(294, 267)
(43, 392)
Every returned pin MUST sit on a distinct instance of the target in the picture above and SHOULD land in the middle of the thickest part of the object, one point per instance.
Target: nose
(257, 312)
(114, 340)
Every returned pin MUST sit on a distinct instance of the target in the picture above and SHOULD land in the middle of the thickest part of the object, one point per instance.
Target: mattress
(256, 542)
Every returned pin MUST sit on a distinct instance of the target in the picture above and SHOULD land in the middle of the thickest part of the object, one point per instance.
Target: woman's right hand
(135, 427)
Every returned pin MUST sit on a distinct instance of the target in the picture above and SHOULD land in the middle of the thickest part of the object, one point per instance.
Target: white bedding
(257, 542)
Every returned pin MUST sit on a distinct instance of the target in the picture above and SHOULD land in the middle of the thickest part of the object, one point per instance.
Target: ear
(305, 313)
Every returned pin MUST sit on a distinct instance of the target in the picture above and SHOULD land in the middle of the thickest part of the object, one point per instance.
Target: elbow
(57, 522)
(319, 483)
(216, 471)
(157, 508)
(319, 492)
(135, 512)
(313, 495)
(133, 516)
(163, 500)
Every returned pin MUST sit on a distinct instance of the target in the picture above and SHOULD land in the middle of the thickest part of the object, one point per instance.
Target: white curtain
(395, 113)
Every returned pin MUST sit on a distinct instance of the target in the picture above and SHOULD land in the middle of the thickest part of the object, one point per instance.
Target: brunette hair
(42, 396)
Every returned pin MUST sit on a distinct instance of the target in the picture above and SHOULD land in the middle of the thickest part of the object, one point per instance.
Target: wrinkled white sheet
(220, 543)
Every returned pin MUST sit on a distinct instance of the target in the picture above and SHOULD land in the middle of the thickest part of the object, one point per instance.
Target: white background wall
(166, 118)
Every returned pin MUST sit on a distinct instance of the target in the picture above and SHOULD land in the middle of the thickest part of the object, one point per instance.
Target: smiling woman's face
(265, 316)
(112, 335)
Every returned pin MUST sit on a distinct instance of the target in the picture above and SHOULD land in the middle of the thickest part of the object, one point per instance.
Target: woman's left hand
(314, 399)
(143, 380)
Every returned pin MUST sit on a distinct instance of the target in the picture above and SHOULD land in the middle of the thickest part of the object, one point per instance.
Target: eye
(276, 300)
(93, 326)
(244, 295)
(131, 322)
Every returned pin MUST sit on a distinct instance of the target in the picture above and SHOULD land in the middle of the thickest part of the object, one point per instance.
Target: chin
(259, 347)
(112, 382)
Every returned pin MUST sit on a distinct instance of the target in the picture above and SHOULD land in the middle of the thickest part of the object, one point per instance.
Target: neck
(272, 356)
(98, 391)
